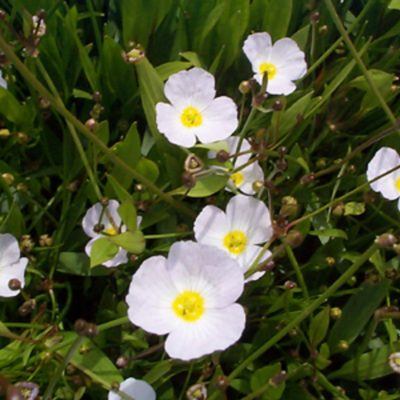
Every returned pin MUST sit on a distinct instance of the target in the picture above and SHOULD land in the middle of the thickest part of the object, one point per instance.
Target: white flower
(394, 362)
(109, 220)
(243, 179)
(284, 62)
(384, 160)
(135, 388)
(194, 110)
(238, 231)
(191, 297)
(11, 265)
(3, 82)
(38, 26)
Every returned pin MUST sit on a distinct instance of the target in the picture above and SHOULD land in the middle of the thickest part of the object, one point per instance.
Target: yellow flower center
(235, 242)
(189, 306)
(237, 178)
(269, 69)
(111, 231)
(191, 117)
(397, 184)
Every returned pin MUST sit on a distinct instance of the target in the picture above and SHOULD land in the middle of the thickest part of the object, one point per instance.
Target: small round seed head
(8, 178)
(277, 105)
(222, 382)
(330, 261)
(14, 284)
(335, 312)
(386, 240)
(343, 345)
(91, 124)
(222, 156)
(22, 138)
(122, 361)
(315, 17)
(245, 87)
(4, 133)
(294, 238)
(188, 180)
(289, 285)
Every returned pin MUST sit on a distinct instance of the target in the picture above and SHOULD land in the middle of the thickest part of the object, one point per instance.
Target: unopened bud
(98, 228)
(14, 284)
(343, 345)
(222, 382)
(8, 178)
(139, 187)
(91, 330)
(133, 56)
(245, 87)
(193, 164)
(3, 15)
(352, 281)
(277, 106)
(73, 186)
(335, 312)
(188, 180)
(278, 379)
(386, 240)
(197, 392)
(258, 185)
(91, 124)
(23, 138)
(321, 163)
(394, 362)
(44, 103)
(259, 99)
(97, 97)
(122, 362)
(323, 30)
(282, 164)
(4, 133)
(45, 241)
(80, 326)
(289, 285)
(338, 210)
(22, 187)
(27, 307)
(396, 248)
(26, 243)
(314, 17)
(289, 207)
(308, 178)
(222, 156)
(330, 261)
(294, 238)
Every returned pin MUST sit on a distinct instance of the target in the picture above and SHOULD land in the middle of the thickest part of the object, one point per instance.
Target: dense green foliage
(53, 167)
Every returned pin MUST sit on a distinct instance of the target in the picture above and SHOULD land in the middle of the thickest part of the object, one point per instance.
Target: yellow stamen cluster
(191, 117)
(235, 242)
(189, 306)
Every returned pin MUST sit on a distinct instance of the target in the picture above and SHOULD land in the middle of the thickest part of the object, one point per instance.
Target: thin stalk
(167, 235)
(296, 267)
(303, 314)
(59, 106)
(112, 324)
(359, 61)
(57, 374)
(244, 130)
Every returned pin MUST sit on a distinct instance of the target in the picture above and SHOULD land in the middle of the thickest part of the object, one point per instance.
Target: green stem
(359, 61)
(296, 267)
(57, 374)
(304, 314)
(60, 107)
(167, 235)
(243, 131)
(113, 323)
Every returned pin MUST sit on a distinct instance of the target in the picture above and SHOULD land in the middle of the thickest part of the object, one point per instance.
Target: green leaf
(371, 365)
(394, 5)
(205, 186)
(192, 57)
(277, 18)
(354, 208)
(151, 92)
(170, 68)
(357, 312)
(102, 250)
(121, 193)
(158, 371)
(260, 379)
(78, 264)
(130, 241)
(92, 359)
(127, 212)
(148, 168)
(319, 327)
(10, 108)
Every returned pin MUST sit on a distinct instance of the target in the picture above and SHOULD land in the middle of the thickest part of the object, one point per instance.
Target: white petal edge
(256, 45)
(138, 389)
(9, 250)
(13, 271)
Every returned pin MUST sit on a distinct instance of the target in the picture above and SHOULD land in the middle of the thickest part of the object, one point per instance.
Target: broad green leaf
(92, 361)
(127, 212)
(301, 36)
(121, 193)
(78, 264)
(394, 5)
(205, 186)
(354, 208)
(158, 371)
(371, 365)
(170, 68)
(192, 57)
(357, 312)
(319, 327)
(10, 108)
(102, 250)
(148, 169)
(151, 92)
(130, 241)
(277, 18)
(260, 379)
(14, 222)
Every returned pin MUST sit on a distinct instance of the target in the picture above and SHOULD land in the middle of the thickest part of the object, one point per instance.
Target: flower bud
(245, 87)
(97, 97)
(294, 238)
(259, 99)
(278, 379)
(338, 210)
(323, 30)
(4, 133)
(222, 156)
(282, 164)
(139, 187)
(80, 326)
(222, 382)
(8, 178)
(257, 186)
(91, 330)
(394, 362)
(133, 56)
(22, 187)
(386, 241)
(289, 285)
(91, 124)
(27, 307)
(335, 313)
(23, 138)
(277, 106)
(122, 362)
(289, 207)
(314, 17)
(197, 392)
(308, 178)
(26, 243)
(343, 345)
(330, 261)
(14, 284)
(188, 180)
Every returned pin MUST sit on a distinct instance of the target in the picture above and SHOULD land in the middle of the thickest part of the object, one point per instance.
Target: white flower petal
(3, 82)
(211, 226)
(207, 270)
(219, 120)
(168, 124)
(280, 85)
(247, 258)
(251, 216)
(136, 388)
(195, 87)
(13, 271)
(120, 258)
(287, 56)
(384, 160)
(9, 250)
(232, 143)
(150, 297)
(256, 46)
(216, 330)
(251, 174)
